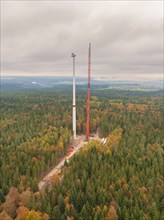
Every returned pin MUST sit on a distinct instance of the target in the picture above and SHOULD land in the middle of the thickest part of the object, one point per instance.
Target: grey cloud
(38, 37)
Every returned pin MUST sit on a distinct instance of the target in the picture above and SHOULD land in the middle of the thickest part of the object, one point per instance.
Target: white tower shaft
(74, 100)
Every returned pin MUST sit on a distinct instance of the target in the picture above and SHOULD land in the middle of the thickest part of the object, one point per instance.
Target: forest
(121, 180)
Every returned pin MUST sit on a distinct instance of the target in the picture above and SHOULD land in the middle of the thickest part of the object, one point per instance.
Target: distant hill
(22, 82)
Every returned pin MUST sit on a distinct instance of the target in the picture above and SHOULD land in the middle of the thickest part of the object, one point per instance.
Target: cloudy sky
(38, 37)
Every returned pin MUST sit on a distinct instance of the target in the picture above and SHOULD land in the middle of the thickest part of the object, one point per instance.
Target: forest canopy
(119, 180)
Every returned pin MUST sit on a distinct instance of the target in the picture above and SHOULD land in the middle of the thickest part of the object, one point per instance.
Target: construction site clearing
(81, 142)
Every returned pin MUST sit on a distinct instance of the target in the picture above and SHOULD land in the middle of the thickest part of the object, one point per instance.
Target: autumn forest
(119, 180)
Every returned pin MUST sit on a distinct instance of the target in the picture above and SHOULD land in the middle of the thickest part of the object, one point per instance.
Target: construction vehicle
(69, 153)
(72, 147)
(62, 166)
(59, 172)
(91, 135)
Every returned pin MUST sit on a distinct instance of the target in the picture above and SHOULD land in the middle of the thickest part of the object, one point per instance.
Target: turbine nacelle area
(73, 55)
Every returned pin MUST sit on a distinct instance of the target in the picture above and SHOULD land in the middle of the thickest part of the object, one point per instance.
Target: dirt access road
(81, 144)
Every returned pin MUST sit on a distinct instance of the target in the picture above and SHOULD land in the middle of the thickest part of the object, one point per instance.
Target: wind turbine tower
(88, 94)
(74, 100)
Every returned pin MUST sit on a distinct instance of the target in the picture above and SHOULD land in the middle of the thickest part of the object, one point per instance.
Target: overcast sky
(38, 37)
